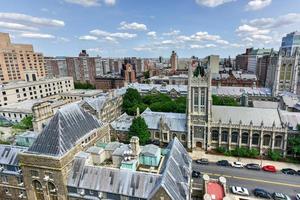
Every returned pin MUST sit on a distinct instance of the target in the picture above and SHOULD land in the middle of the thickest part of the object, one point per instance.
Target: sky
(144, 28)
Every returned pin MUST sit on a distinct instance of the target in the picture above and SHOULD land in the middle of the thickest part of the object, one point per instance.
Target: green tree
(224, 101)
(131, 100)
(139, 128)
(147, 74)
(295, 144)
(25, 123)
(79, 85)
(274, 155)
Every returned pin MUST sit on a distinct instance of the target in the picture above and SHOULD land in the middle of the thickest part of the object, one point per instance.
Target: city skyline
(115, 28)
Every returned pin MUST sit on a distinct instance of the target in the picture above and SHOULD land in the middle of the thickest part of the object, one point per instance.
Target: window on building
(183, 137)
(156, 134)
(266, 140)
(38, 189)
(165, 136)
(245, 137)
(215, 135)
(234, 137)
(278, 141)
(195, 99)
(198, 132)
(224, 136)
(255, 139)
(52, 191)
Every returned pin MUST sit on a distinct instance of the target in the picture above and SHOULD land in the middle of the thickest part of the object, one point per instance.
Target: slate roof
(246, 115)
(292, 119)
(96, 103)
(122, 123)
(174, 177)
(64, 130)
(9, 154)
(175, 121)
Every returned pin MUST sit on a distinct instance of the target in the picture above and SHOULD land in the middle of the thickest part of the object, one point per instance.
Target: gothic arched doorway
(199, 144)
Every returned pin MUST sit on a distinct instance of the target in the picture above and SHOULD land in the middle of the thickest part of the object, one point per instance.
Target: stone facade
(45, 176)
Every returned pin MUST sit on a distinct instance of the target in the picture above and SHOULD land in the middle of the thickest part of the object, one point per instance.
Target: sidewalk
(197, 154)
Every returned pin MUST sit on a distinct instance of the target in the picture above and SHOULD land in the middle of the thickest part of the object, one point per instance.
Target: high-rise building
(253, 57)
(212, 62)
(174, 61)
(290, 43)
(242, 60)
(16, 59)
(282, 73)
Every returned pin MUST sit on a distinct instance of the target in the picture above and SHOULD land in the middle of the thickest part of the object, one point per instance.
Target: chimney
(135, 145)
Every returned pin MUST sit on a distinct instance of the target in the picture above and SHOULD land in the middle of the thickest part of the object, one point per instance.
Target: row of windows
(245, 138)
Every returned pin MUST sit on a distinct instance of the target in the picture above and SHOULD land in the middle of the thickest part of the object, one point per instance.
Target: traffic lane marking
(254, 180)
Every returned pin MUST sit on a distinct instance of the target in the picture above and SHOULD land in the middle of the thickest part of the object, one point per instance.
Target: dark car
(196, 174)
(202, 161)
(261, 193)
(298, 172)
(253, 166)
(289, 171)
(224, 163)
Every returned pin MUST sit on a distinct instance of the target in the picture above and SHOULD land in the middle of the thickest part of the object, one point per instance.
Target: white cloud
(250, 30)
(133, 26)
(258, 4)
(172, 33)
(196, 46)
(202, 36)
(152, 34)
(210, 45)
(88, 37)
(96, 50)
(110, 2)
(121, 35)
(212, 3)
(167, 42)
(37, 35)
(18, 17)
(85, 3)
(16, 26)
(222, 42)
(142, 49)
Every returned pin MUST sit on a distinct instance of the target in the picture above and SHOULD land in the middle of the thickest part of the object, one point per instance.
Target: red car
(269, 168)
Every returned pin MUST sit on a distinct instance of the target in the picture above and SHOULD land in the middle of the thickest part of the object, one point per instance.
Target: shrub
(274, 155)
(221, 149)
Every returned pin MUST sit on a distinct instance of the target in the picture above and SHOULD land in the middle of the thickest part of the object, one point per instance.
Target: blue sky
(145, 28)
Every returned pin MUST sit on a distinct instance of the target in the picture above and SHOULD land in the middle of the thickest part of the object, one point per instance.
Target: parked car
(298, 172)
(253, 166)
(224, 163)
(280, 196)
(237, 164)
(289, 171)
(261, 193)
(239, 190)
(196, 174)
(298, 196)
(202, 161)
(269, 168)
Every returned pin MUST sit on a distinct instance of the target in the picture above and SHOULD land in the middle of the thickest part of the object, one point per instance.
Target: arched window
(52, 191)
(255, 139)
(215, 135)
(267, 140)
(234, 137)
(224, 136)
(245, 137)
(38, 190)
(278, 141)
(183, 137)
(174, 135)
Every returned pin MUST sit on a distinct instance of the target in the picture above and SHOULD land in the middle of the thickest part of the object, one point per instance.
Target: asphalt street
(250, 179)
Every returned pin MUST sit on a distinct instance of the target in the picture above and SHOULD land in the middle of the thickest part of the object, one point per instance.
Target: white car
(239, 191)
(237, 165)
(298, 196)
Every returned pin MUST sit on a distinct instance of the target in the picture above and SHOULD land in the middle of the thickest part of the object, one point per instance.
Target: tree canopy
(25, 123)
(139, 128)
(295, 144)
(224, 101)
(79, 85)
(156, 102)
